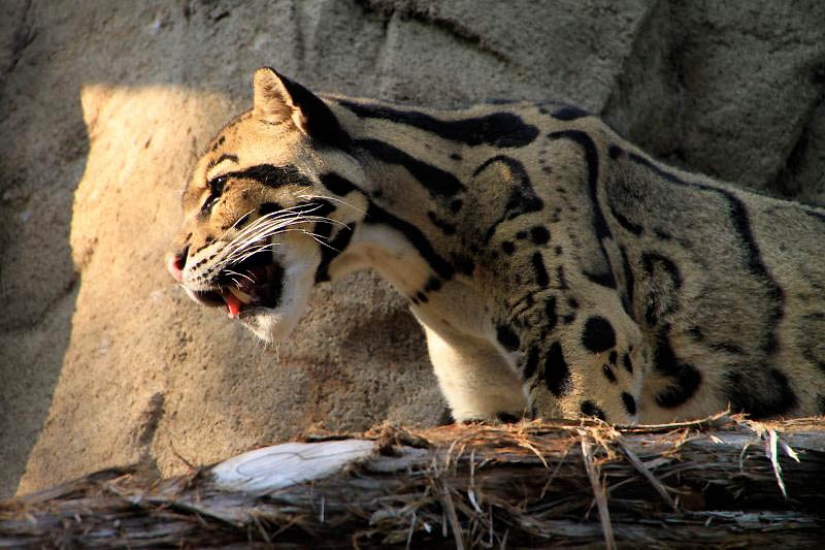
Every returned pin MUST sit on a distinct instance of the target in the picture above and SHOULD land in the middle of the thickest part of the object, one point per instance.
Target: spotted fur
(557, 269)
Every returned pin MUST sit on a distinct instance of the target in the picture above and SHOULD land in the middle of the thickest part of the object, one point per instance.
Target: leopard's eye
(216, 186)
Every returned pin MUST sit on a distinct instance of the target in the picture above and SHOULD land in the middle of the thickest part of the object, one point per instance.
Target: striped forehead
(249, 141)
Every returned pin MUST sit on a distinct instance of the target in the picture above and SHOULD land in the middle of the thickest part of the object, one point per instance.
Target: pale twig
(598, 490)
(449, 508)
(645, 471)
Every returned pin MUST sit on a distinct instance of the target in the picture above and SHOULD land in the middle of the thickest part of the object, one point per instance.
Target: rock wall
(104, 106)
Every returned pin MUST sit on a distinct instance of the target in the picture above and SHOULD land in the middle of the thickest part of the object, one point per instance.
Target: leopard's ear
(278, 99)
(272, 99)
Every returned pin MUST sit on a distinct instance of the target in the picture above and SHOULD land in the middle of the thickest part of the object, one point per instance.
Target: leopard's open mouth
(256, 281)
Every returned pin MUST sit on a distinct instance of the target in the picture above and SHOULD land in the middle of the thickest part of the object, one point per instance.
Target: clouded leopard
(557, 269)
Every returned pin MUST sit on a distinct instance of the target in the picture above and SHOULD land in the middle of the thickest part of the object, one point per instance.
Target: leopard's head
(268, 207)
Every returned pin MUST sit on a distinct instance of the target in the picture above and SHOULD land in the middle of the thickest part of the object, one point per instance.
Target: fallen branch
(721, 482)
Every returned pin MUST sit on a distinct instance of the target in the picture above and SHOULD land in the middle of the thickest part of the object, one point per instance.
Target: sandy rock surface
(105, 105)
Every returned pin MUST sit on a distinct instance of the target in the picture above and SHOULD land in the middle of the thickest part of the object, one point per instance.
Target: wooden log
(721, 482)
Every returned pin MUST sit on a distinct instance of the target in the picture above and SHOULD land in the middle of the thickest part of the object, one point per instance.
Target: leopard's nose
(175, 262)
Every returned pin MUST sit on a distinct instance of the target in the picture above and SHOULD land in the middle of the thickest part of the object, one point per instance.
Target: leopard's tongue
(235, 300)
(233, 304)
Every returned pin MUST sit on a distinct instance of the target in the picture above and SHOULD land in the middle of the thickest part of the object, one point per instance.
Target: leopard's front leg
(477, 381)
(591, 365)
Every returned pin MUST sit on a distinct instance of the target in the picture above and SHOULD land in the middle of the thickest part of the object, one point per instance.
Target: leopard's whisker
(333, 199)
